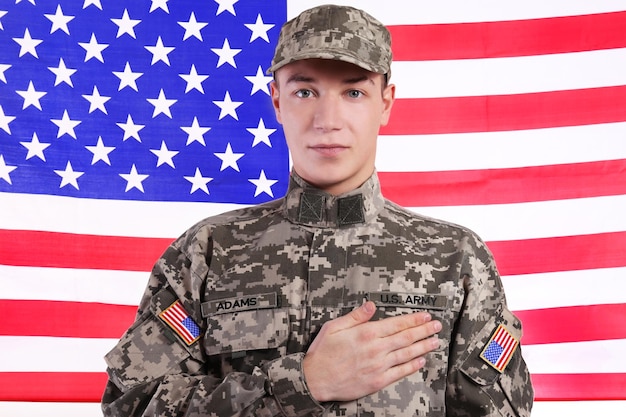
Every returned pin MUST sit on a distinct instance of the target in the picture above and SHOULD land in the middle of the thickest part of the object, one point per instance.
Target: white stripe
(30, 409)
(102, 217)
(491, 222)
(176, 313)
(511, 149)
(53, 354)
(406, 12)
(578, 408)
(540, 409)
(516, 75)
(563, 289)
(602, 356)
(81, 285)
(524, 292)
(64, 354)
(532, 220)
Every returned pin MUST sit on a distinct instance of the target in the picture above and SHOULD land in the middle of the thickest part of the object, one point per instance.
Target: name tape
(243, 303)
(432, 301)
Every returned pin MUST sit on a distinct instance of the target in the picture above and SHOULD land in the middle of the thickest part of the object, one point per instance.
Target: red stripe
(506, 185)
(64, 319)
(506, 355)
(179, 313)
(52, 386)
(93, 320)
(503, 337)
(65, 250)
(88, 387)
(514, 257)
(500, 335)
(507, 112)
(509, 38)
(566, 253)
(508, 344)
(579, 387)
(573, 324)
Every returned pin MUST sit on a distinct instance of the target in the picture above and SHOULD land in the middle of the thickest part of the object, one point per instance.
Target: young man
(331, 300)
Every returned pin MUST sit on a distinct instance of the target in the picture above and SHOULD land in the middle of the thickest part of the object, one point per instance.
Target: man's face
(331, 112)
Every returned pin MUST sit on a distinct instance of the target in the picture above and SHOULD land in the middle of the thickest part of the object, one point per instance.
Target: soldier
(331, 301)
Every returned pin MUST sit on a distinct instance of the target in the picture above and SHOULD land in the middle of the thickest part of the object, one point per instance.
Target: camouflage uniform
(260, 282)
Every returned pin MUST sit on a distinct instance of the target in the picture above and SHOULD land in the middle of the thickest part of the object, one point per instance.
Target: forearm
(276, 390)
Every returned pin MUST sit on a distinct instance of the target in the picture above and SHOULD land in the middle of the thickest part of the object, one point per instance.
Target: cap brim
(328, 53)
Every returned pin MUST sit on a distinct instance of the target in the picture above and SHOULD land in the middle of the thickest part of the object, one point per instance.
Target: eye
(304, 93)
(355, 93)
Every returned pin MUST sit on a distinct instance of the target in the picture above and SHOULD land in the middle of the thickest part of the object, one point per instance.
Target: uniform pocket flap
(246, 330)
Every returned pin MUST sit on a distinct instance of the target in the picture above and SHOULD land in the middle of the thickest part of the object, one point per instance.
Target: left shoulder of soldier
(413, 220)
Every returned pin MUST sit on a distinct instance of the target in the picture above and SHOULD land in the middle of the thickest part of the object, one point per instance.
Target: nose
(329, 113)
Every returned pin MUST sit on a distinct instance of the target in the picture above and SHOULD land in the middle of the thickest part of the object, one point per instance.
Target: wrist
(318, 390)
(287, 384)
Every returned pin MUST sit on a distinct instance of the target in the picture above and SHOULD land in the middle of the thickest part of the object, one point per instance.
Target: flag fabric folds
(123, 123)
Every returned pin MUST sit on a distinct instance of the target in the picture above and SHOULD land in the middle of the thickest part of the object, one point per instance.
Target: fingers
(410, 335)
(398, 324)
(412, 351)
(388, 326)
(409, 359)
(404, 369)
(357, 316)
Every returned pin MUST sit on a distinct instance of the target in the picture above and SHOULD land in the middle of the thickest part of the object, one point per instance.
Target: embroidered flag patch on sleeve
(500, 348)
(178, 320)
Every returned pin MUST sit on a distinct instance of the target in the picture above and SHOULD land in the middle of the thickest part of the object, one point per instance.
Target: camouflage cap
(335, 32)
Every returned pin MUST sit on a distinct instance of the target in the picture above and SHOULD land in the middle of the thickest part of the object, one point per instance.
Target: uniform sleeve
(156, 371)
(487, 375)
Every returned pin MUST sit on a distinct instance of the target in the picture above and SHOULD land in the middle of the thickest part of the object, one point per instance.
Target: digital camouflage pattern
(261, 281)
(335, 32)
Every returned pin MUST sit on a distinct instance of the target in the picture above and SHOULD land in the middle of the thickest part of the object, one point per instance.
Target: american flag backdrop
(123, 123)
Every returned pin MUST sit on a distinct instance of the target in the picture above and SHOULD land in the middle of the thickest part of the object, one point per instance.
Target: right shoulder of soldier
(204, 229)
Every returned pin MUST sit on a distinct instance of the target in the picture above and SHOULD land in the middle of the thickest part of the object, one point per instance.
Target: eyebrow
(347, 81)
(358, 79)
(295, 78)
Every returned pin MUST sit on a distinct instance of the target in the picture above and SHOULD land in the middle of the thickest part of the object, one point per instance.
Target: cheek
(294, 120)
(289, 128)
(294, 144)
(371, 122)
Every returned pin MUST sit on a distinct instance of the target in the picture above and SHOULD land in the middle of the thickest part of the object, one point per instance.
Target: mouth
(329, 150)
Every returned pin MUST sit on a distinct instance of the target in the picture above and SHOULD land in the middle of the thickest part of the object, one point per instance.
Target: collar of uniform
(305, 204)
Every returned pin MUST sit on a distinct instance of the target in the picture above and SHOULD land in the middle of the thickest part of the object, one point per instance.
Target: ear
(276, 100)
(389, 96)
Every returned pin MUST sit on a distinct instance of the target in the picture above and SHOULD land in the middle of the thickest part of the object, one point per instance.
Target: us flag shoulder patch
(183, 325)
(500, 348)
